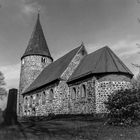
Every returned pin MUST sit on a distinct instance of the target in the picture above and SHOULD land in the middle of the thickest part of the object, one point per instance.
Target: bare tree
(3, 92)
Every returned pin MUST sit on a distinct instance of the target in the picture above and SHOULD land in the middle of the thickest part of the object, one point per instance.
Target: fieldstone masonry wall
(83, 97)
(63, 102)
(60, 103)
(31, 67)
(83, 104)
(108, 85)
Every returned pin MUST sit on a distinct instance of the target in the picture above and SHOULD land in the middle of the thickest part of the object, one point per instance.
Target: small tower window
(43, 60)
(22, 62)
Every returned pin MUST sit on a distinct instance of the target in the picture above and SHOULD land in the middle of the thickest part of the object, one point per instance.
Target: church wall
(97, 91)
(31, 67)
(83, 97)
(60, 103)
(83, 101)
(107, 85)
(65, 102)
(45, 105)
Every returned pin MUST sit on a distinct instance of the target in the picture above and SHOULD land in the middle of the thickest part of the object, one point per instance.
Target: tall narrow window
(34, 99)
(37, 99)
(25, 103)
(83, 91)
(43, 98)
(51, 95)
(31, 100)
(73, 94)
(22, 61)
(26, 100)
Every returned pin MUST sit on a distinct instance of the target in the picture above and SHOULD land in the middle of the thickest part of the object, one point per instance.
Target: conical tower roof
(37, 43)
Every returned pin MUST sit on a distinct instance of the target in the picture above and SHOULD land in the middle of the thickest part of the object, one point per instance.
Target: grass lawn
(60, 129)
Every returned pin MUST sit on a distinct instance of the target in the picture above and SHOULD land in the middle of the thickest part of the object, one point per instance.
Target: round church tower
(36, 57)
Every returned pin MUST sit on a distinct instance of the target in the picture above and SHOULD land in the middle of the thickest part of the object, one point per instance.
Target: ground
(68, 129)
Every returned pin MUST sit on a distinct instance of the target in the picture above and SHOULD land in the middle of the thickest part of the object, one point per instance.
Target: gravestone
(10, 116)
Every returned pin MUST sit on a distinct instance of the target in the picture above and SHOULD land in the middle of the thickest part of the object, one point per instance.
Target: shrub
(124, 107)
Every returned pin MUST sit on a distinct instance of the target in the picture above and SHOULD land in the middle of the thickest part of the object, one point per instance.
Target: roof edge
(37, 55)
(91, 73)
(32, 90)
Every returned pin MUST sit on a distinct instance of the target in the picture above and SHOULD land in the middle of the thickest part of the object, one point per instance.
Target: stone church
(76, 83)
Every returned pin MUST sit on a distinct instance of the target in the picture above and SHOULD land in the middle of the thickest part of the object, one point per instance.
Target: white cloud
(31, 8)
(11, 74)
(126, 48)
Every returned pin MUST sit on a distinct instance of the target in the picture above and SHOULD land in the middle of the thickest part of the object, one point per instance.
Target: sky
(66, 24)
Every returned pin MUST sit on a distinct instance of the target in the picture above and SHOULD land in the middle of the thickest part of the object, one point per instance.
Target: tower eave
(38, 54)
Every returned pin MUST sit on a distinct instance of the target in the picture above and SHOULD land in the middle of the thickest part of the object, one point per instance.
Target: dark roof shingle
(37, 43)
(100, 61)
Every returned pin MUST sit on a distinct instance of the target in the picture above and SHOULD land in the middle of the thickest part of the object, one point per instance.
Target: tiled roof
(37, 43)
(100, 61)
(53, 71)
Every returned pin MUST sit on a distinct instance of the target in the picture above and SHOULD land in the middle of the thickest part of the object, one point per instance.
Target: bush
(124, 107)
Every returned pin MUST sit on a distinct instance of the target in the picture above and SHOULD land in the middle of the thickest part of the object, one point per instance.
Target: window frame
(43, 60)
(73, 93)
(83, 91)
(43, 98)
(51, 95)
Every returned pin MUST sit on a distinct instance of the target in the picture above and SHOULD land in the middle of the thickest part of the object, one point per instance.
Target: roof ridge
(108, 50)
(124, 66)
(97, 63)
(106, 60)
(66, 54)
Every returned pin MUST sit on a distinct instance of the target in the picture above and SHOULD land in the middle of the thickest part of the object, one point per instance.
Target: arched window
(73, 94)
(34, 99)
(25, 112)
(51, 95)
(37, 99)
(40, 99)
(28, 112)
(43, 60)
(83, 91)
(31, 100)
(26, 100)
(25, 103)
(43, 97)
(22, 62)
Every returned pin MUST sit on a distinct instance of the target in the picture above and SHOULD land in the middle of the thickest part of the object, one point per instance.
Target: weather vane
(38, 9)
